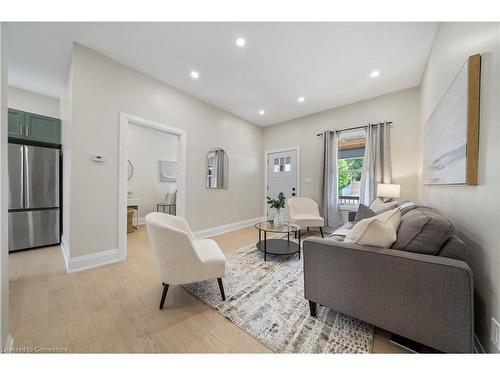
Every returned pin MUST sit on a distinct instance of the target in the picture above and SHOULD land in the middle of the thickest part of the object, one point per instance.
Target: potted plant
(278, 204)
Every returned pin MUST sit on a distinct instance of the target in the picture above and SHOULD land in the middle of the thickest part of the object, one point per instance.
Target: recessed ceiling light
(240, 42)
(301, 99)
(262, 112)
(195, 74)
(375, 73)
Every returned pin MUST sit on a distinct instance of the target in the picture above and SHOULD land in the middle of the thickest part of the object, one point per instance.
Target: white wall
(4, 243)
(146, 147)
(474, 210)
(66, 137)
(101, 89)
(401, 107)
(33, 102)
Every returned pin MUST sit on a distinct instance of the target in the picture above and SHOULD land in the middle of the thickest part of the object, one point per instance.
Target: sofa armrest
(426, 298)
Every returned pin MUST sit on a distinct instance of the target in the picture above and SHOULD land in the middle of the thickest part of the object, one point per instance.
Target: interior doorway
(282, 175)
(168, 172)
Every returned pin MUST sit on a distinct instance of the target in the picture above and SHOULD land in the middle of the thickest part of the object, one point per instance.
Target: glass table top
(268, 226)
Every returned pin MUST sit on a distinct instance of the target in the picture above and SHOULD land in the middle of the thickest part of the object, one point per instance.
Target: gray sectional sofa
(421, 288)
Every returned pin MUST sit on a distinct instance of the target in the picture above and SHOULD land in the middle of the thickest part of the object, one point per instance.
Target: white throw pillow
(379, 206)
(378, 230)
(391, 218)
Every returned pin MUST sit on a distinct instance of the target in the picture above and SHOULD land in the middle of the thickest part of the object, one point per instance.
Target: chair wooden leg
(221, 287)
(321, 231)
(163, 295)
(312, 308)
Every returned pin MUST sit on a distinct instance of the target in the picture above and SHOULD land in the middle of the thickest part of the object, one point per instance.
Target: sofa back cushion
(453, 248)
(423, 230)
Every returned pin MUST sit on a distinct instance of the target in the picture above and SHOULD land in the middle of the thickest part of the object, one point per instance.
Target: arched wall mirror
(217, 169)
(130, 170)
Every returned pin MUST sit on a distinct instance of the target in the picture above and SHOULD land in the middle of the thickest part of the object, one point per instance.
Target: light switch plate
(308, 179)
(97, 158)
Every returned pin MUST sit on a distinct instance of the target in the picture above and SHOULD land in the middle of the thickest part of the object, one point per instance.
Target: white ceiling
(328, 63)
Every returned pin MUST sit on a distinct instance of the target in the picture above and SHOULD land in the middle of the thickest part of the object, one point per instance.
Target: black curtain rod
(358, 127)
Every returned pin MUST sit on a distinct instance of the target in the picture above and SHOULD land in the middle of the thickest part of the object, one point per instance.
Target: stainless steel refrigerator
(33, 196)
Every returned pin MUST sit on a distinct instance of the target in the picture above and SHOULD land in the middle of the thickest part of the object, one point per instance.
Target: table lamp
(388, 190)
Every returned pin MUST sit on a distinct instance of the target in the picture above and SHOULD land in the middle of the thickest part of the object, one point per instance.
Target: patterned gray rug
(266, 299)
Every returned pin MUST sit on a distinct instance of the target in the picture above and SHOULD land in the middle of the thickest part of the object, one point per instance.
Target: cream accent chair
(305, 212)
(180, 257)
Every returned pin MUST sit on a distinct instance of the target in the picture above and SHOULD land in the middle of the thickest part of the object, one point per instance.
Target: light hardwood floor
(114, 309)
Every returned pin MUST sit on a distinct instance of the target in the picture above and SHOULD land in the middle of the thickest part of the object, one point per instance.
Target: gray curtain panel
(329, 173)
(377, 161)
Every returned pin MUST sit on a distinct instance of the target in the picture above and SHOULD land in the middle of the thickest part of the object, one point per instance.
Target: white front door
(281, 177)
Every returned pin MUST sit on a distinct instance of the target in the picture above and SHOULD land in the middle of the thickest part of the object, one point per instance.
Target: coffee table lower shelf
(278, 247)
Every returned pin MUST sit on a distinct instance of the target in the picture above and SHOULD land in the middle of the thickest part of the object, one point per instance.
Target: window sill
(348, 207)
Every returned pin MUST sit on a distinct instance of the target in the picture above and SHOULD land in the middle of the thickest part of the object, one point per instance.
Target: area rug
(266, 299)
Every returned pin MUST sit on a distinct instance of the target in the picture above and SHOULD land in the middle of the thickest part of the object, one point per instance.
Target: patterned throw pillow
(378, 206)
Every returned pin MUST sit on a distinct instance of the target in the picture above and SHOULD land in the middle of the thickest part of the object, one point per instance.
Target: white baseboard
(214, 231)
(9, 344)
(102, 258)
(87, 262)
(65, 251)
(94, 260)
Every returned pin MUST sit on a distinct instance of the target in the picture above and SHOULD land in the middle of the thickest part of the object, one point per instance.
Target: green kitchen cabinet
(16, 123)
(42, 128)
(34, 127)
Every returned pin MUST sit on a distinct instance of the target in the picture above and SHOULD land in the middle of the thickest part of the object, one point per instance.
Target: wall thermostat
(97, 158)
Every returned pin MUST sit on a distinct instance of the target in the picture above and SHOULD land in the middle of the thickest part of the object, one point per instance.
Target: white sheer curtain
(329, 173)
(376, 162)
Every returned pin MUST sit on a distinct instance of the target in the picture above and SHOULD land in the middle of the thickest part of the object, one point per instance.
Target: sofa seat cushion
(340, 233)
(378, 230)
(423, 230)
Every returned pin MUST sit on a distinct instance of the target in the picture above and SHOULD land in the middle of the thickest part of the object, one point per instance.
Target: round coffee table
(278, 246)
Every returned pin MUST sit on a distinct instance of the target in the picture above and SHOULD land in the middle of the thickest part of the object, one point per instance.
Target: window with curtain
(351, 150)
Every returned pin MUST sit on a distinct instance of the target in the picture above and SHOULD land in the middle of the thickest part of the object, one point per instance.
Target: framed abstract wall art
(451, 134)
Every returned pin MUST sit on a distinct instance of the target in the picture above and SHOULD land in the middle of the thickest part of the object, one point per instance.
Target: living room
(259, 187)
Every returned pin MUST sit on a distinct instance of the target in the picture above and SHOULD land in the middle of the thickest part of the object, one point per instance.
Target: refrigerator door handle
(26, 182)
(23, 189)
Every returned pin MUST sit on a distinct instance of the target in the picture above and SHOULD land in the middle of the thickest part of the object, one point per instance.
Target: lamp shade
(388, 190)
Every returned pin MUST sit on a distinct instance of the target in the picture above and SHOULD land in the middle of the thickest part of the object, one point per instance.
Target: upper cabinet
(34, 127)
(16, 123)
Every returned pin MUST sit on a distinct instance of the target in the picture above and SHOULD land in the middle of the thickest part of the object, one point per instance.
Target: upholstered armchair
(305, 212)
(182, 259)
